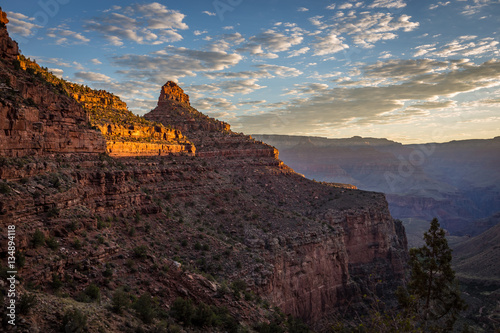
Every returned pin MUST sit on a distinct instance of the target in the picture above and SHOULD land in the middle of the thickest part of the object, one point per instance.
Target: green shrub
(20, 259)
(56, 282)
(204, 316)
(4, 188)
(74, 321)
(120, 301)
(53, 212)
(145, 308)
(38, 238)
(52, 243)
(141, 251)
(183, 310)
(26, 303)
(90, 294)
(77, 244)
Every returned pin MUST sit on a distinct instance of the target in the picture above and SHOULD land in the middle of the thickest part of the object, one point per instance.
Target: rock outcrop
(172, 92)
(211, 137)
(34, 119)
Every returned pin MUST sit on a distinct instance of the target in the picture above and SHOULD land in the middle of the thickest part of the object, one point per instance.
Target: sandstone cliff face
(172, 92)
(36, 120)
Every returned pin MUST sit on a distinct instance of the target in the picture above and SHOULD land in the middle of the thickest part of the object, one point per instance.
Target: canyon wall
(181, 225)
(34, 118)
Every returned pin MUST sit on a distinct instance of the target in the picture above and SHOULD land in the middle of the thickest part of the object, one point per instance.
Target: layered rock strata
(35, 119)
(234, 212)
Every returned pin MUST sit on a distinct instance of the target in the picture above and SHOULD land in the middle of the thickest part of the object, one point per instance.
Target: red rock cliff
(35, 119)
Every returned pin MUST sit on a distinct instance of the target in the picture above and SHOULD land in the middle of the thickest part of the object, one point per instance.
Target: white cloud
(345, 5)
(21, 24)
(243, 87)
(302, 9)
(57, 72)
(211, 103)
(173, 63)
(199, 32)
(466, 46)
(328, 44)
(276, 41)
(331, 7)
(308, 89)
(476, 6)
(92, 77)
(370, 28)
(439, 4)
(149, 23)
(209, 13)
(96, 61)
(387, 4)
(338, 107)
(64, 36)
(298, 52)
(281, 71)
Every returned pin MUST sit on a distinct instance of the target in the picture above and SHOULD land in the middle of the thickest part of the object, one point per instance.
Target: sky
(412, 71)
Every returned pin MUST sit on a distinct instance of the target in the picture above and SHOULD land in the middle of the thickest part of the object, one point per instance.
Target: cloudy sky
(408, 70)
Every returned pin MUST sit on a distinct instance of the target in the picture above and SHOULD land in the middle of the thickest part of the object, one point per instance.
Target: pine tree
(433, 293)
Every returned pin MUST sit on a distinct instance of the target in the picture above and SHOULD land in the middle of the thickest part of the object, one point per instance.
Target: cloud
(199, 32)
(243, 87)
(328, 44)
(281, 71)
(331, 7)
(477, 6)
(439, 4)
(92, 77)
(224, 42)
(96, 62)
(276, 41)
(64, 36)
(209, 13)
(149, 23)
(22, 25)
(370, 28)
(433, 105)
(399, 68)
(272, 41)
(302, 9)
(338, 107)
(263, 71)
(465, 46)
(364, 29)
(211, 103)
(298, 52)
(345, 5)
(308, 88)
(385, 55)
(387, 4)
(57, 72)
(59, 62)
(172, 63)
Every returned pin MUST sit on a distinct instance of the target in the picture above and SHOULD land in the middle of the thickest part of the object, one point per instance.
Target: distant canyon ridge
(458, 182)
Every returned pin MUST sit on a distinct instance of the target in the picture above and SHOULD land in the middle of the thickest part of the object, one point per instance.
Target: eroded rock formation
(211, 137)
(234, 212)
(34, 119)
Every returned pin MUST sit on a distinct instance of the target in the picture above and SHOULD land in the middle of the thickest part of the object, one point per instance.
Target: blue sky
(411, 71)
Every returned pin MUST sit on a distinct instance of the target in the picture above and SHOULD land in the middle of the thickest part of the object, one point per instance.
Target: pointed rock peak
(172, 92)
(3, 17)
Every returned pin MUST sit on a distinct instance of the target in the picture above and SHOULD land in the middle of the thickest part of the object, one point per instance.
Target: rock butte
(312, 250)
